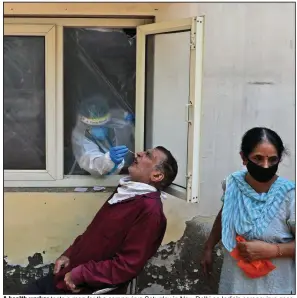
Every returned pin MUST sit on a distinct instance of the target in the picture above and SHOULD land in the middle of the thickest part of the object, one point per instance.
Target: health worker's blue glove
(118, 153)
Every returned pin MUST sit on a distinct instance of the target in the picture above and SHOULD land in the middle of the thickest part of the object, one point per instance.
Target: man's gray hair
(168, 167)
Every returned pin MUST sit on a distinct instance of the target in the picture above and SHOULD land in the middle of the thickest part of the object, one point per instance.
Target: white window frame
(195, 26)
(55, 99)
(35, 178)
(48, 31)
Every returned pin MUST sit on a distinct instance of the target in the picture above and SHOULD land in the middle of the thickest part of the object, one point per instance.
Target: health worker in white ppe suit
(96, 137)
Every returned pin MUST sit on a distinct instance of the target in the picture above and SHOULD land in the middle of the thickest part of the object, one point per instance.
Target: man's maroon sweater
(117, 244)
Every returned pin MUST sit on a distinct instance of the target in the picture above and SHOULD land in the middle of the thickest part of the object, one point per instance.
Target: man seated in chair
(125, 233)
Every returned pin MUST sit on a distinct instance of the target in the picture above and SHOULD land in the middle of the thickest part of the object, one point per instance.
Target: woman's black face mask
(261, 174)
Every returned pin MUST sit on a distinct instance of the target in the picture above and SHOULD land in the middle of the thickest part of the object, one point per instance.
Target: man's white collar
(129, 189)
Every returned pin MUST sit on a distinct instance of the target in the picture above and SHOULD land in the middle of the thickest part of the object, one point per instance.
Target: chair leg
(103, 291)
(132, 287)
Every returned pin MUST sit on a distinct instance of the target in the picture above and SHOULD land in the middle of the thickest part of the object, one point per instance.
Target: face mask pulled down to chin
(259, 173)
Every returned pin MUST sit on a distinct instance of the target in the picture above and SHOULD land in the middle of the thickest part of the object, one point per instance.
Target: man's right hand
(61, 262)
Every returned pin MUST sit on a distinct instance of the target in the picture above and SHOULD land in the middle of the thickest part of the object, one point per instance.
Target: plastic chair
(131, 290)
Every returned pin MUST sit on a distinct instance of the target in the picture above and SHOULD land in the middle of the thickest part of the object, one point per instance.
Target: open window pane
(24, 103)
(98, 63)
(167, 96)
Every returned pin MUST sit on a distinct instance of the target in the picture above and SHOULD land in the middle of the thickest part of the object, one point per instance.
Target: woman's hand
(206, 262)
(257, 250)
(213, 239)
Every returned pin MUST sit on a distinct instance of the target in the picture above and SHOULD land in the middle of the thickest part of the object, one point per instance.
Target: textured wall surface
(173, 270)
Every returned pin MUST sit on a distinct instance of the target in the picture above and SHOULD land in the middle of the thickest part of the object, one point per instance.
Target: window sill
(68, 181)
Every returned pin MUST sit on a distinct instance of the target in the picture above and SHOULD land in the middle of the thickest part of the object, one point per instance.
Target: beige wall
(248, 80)
(49, 222)
(81, 9)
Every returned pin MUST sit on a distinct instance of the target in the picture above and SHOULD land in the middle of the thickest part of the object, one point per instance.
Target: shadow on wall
(174, 270)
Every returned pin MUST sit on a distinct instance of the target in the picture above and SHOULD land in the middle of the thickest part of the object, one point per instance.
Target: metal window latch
(187, 112)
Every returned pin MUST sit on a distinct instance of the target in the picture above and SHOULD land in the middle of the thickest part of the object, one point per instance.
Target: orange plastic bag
(254, 269)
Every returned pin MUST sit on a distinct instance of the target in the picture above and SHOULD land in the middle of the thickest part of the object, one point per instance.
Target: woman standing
(260, 207)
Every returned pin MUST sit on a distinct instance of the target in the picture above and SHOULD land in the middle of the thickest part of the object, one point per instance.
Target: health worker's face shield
(95, 124)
